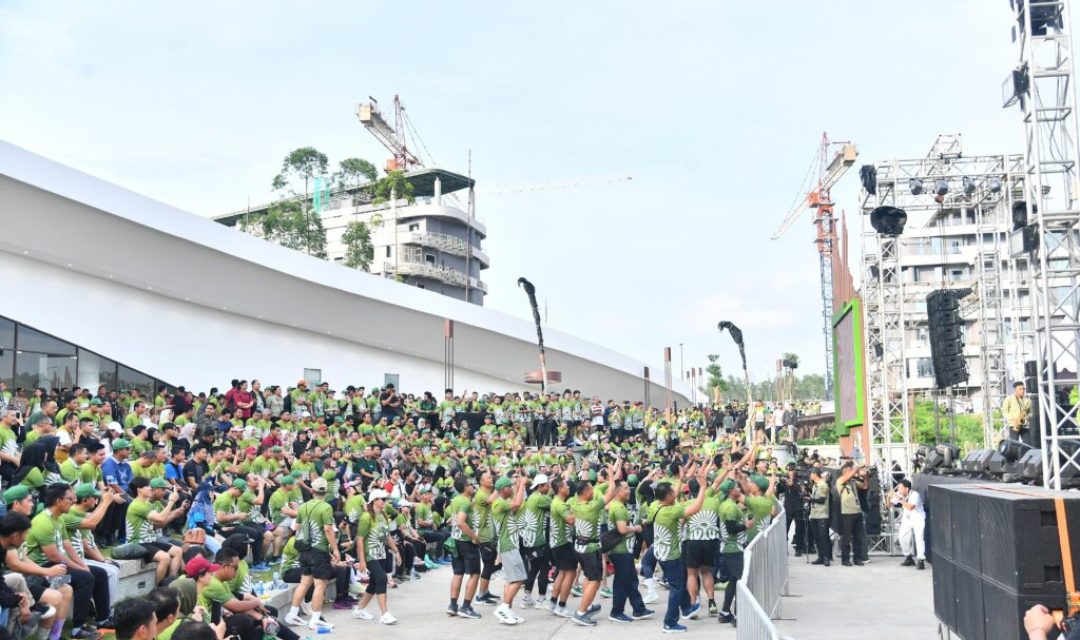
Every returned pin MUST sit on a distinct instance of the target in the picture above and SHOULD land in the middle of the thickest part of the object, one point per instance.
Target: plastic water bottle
(323, 630)
(277, 581)
(259, 589)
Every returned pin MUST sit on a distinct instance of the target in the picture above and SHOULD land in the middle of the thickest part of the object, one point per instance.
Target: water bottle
(277, 581)
(259, 589)
(323, 630)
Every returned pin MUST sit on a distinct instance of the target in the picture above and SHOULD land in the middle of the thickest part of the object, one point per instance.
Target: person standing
(562, 550)
(316, 535)
(626, 580)
(668, 549)
(534, 541)
(372, 541)
(506, 506)
(466, 562)
(1017, 412)
(912, 524)
(587, 509)
(850, 515)
(819, 517)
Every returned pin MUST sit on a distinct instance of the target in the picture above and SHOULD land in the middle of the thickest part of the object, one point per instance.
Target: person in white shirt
(912, 524)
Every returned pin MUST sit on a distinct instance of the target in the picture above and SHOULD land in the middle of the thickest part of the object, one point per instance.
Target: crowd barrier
(764, 581)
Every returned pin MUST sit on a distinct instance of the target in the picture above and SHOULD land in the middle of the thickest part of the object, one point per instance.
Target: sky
(714, 108)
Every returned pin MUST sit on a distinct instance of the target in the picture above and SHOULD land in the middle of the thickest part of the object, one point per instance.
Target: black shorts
(564, 558)
(592, 565)
(37, 586)
(467, 560)
(731, 566)
(700, 553)
(152, 549)
(316, 563)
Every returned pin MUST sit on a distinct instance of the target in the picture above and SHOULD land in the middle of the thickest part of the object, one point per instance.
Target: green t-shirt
(8, 442)
(617, 513)
(139, 527)
(354, 506)
(374, 531)
(460, 504)
(90, 473)
(290, 557)
(587, 523)
(730, 511)
(501, 514)
(69, 471)
(560, 530)
(282, 498)
(167, 632)
(533, 518)
(705, 524)
(313, 517)
(71, 521)
(481, 516)
(666, 541)
(240, 582)
(225, 503)
(217, 592)
(44, 530)
(760, 509)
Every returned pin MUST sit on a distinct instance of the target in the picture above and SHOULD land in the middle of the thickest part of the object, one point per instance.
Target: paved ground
(881, 600)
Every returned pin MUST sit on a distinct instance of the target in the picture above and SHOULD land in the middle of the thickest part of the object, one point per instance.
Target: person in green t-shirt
(144, 516)
(372, 542)
(319, 550)
(485, 533)
(511, 496)
(667, 546)
(587, 507)
(467, 559)
(534, 543)
(626, 580)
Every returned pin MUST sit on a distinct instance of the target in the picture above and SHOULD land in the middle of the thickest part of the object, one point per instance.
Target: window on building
(414, 226)
(924, 368)
(429, 258)
(42, 360)
(339, 259)
(388, 248)
(7, 353)
(128, 378)
(313, 377)
(95, 370)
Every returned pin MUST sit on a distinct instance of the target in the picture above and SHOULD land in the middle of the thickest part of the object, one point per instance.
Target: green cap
(34, 479)
(158, 483)
(503, 483)
(726, 486)
(37, 417)
(16, 493)
(120, 444)
(240, 484)
(424, 490)
(85, 490)
(287, 480)
(275, 449)
(761, 481)
(97, 402)
(632, 480)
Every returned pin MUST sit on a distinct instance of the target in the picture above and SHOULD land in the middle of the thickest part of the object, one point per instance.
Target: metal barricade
(764, 581)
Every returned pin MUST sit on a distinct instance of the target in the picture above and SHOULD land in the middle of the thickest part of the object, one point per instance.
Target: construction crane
(585, 181)
(830, 165)
(391, 137)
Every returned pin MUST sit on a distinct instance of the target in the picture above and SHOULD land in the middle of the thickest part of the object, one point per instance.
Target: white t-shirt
(917, 512)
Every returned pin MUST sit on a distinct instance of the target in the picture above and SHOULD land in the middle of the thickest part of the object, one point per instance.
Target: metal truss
(1046, 92)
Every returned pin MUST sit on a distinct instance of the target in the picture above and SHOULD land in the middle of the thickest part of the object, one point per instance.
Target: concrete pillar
(438, 191)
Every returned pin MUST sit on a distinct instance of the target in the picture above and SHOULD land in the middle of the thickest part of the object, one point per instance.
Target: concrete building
(106, 284)
(432, 243)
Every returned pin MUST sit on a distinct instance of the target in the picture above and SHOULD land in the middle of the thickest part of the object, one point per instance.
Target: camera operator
(819, 516)
(851, 514)
(795, 493)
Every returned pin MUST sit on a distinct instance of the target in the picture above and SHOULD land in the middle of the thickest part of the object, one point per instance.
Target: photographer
(851, 515)
(796, 493)
(819, 516)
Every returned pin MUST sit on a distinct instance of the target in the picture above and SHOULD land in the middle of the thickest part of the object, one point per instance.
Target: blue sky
(715, 108)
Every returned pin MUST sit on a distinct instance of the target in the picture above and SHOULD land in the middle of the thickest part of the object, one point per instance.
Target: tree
(715, 382)
(304, 163)
(352, 172)
(359, 252)
(292, 221)
(392, 185)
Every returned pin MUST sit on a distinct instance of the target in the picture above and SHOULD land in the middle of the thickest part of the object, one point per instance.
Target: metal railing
(764, 581)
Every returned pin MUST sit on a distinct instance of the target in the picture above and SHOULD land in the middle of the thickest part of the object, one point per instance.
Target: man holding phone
(143, 518)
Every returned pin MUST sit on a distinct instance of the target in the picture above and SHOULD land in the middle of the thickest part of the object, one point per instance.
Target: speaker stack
(947, 336)
(996, 554)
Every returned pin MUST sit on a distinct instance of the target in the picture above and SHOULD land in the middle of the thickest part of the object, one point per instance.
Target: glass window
(7, 353)
(128, 378)
(33, 340)
(94, 370)
(33, 369)
(313, 377)
(925, 367)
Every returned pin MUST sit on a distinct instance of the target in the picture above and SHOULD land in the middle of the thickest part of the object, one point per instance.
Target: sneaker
(553, 605)
(362, 614)
(48, 611)
(583, 620)
(908, 562)
(663, 583)
(712, 609)
(563, 612)
(542, 604)
(644, 614)
(692, 612)
(727, 618)
(527, 600)
(452, 610)
(606, 592)
(517, 619)
(295, 621)
(388, 618)
(593, 608)
(502, 614)
(320, 626)
(261, 567)
(674, 628)
(650, 597)
(487, 599)
(305, 608)
(341, 605)
(619, 617)
(576, 591)
(468, 612)
(922, 565)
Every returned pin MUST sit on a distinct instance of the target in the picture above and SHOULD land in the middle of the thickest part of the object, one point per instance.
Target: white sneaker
(541, 604)
(503, 615)
(320, 626)
(527, 600)
(650, 597)
(295, 621)
(362, 614)
(387, 618)
(563, 612)
(517, 619)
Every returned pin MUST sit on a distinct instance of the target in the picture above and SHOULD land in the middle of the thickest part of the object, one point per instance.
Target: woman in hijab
(40, 454)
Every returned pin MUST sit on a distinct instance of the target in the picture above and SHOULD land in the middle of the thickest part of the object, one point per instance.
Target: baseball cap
(158, 483)
(376, 494)
(319, 485)
(120, 444)
(18, 492)
(539, 480)
(115, 427)
(38, 418)
(240, 484)
(87, 489)
(198, 566)
(287, 480)
(503, 483)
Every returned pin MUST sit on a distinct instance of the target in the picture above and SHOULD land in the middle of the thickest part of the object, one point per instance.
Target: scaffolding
(1044, 85)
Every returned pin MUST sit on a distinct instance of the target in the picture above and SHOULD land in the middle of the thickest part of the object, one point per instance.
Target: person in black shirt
(197, 467)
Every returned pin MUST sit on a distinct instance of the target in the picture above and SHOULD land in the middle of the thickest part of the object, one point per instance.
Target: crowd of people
(564, 498)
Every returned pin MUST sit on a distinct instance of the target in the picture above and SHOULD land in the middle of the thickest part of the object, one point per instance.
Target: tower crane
(831, 162)
(391, 137)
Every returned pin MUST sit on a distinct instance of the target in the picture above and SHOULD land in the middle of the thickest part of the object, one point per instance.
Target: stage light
(941, 187)
(969, 185)
(994, 184)
(868, 177)
(916, 186)
(1013, 450)
(888, 221)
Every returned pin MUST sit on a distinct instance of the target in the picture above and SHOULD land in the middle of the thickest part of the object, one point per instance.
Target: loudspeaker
(1031, 465)
(946, 336)
(1003, 558)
